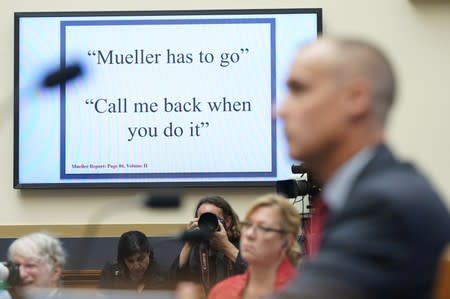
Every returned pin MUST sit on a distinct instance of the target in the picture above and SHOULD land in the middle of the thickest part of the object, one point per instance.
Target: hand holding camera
(192, 225)
(208, 229)
(201, 229)
(219, 239)
(213, 226)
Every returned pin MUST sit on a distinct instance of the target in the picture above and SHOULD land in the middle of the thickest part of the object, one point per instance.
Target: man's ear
(57, 273)
(359, 101)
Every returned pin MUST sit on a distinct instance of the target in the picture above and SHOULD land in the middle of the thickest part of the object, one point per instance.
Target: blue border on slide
(64, 24)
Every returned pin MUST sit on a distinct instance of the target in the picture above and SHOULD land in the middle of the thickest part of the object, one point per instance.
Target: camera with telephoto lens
(10, 274)
(209, 222)
(293, 188)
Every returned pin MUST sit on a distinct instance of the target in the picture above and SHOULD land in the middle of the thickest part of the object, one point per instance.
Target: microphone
(62, 75)
(56, 77)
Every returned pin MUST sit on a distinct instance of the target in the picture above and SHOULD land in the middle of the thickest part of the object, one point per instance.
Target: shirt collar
(335, 192)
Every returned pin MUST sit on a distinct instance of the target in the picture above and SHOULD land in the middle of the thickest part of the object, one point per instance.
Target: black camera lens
(209, 222)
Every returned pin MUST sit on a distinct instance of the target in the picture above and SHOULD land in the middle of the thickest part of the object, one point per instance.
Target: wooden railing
(80, 278)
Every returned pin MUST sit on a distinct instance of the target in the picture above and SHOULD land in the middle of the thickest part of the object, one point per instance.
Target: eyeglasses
(259, 229)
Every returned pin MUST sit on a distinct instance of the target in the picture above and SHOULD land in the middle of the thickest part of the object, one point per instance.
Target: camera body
(209, 223)
(293, 188)
(10, 273)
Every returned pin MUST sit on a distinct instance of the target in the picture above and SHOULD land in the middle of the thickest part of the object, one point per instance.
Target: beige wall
(417, 38)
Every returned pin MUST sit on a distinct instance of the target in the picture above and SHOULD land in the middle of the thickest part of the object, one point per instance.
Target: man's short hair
(368, 61)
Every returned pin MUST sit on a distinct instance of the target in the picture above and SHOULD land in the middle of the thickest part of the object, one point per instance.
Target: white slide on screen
(164, 98)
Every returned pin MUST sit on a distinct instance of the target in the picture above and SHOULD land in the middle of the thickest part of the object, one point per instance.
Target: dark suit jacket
(386, 240)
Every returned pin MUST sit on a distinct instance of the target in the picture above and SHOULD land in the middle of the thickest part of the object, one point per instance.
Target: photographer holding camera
(210, 261)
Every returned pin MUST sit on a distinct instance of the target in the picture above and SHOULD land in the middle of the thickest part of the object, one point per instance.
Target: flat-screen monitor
(163, 98)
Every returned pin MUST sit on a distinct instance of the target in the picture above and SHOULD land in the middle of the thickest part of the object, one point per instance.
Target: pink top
(233, 287)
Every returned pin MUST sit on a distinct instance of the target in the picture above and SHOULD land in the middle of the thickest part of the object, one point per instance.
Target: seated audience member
(40, 258)
(134, 268)
(269, 246)
(223, 258)
(386, 226)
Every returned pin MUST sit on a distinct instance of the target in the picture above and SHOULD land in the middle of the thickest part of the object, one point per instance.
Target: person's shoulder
(401, 185)
(229, 288)
(399, 191)
(156, 279)
(286, 273)
(386, 178)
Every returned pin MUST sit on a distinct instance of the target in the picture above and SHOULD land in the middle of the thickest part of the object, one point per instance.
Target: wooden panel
(80, 278)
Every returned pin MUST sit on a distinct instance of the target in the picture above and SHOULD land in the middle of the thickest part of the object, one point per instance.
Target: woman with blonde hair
(269, 246)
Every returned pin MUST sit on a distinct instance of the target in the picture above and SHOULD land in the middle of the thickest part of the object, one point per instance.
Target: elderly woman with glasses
(269, 246)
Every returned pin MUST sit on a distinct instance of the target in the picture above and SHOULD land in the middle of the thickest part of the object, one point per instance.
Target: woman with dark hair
(217, 258)
(134, 268)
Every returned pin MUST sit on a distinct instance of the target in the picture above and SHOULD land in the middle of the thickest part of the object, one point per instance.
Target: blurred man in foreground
(41, 260)
(386, 226)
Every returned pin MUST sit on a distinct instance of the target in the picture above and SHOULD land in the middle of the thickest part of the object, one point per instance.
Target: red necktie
(315, 226)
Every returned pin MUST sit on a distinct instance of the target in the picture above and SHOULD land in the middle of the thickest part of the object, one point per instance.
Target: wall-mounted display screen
(164, 98)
